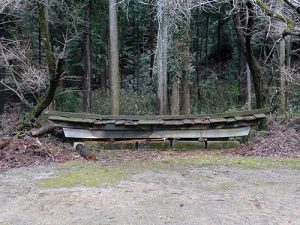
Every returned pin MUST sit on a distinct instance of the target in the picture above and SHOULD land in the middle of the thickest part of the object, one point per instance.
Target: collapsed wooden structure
(202, 127)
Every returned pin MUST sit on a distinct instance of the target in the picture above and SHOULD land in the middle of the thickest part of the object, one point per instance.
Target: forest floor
(282, 139)
(258, 183)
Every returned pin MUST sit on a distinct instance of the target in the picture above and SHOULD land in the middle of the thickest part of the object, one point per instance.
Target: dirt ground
(150, 187)
(156, 192)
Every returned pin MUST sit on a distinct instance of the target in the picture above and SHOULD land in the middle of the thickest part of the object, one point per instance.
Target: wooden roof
(179, 120)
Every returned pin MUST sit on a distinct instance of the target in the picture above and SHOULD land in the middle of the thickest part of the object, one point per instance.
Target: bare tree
(53, 70)
(22, 76)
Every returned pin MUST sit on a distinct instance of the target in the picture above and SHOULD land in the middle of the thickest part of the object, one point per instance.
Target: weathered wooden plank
(102, 122)
(67, 119)
(230, 120)
(240, 113)
(121, 122)
(188, 121)
(218, 120)
(164, 117)
(173, 122)
(150, 122)
(131, 123)
(211, 133)
(239, 118)
(202, 121)
(127, 126)
(259, 116)
(248, 118)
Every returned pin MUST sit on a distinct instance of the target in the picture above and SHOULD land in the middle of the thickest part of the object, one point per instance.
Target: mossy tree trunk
(55, 71)
(244, 40)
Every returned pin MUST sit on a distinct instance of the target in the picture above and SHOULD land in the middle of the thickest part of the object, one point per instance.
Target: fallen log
(48, 128)
(84, 152)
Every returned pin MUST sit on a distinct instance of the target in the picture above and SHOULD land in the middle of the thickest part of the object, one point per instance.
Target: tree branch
(290, 23)
(292, 5)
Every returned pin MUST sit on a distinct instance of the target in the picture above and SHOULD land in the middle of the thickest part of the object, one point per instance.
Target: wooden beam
(165, 117)
(142, 134)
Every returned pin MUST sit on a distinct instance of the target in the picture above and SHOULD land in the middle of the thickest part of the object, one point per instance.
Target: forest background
(149, 57)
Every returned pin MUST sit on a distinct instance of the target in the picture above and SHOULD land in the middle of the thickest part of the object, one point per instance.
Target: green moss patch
(244, 162)
(83, 174)
(164, 145)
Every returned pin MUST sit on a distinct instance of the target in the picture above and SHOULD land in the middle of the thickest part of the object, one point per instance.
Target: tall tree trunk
(206, 44)
(288, 67)
(198, 59)
(282, 77)
(114, 58)
(162, 66)
(244, 40)
(249, 93)
(40, 47)
(219, 45)
(2, 99)
(137, 52)
(198, 54)
(55, 71)
(175, 103)
(152, 50)
(186, 104)
(87, 58)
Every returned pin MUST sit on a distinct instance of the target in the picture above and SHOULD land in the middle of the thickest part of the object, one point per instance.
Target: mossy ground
(243, 162)
(92, 174)
(85, 174)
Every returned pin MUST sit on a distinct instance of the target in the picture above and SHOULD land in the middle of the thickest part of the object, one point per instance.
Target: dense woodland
(149, 57)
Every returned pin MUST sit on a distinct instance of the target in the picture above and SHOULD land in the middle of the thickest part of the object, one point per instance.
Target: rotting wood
(173, 122)
(230, 120)
(88, 155)
(188, 121)
(149, 122)
(247, 118)
(121, 122)
(103, 122)
(149, 127)
(259, 116)
(238, 118)
(164, 117)
(202, 121)
(48, 128)
(135, 126)
(218, 120)
(72, 119)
